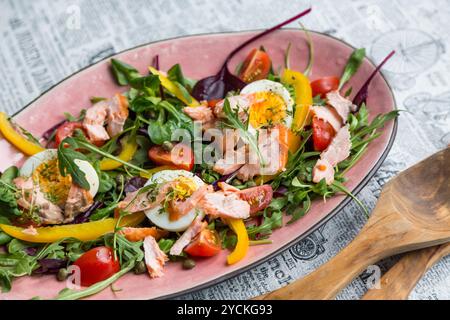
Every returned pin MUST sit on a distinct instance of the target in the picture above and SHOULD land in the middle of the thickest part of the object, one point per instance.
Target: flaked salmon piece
(113, 112)
(241, 103)
(225, 205)
(225, 167)
(154, 257)
(337, 151)
(138, 200)
(177, 209)
(329, 115)
(79, 200)
(201, 113)
(30, 230)
(195, 228)
(342, 105)
(138, 234)
(323, 170)
(248, 172)
(117, 114)
(339, 148)
(94, 122)
(273, 146)
(31, 197)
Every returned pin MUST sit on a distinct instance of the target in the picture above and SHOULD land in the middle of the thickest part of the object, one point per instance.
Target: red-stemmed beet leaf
(217, 86)
(361, 96)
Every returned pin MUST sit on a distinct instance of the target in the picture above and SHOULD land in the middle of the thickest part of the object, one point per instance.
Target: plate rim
(321, 222)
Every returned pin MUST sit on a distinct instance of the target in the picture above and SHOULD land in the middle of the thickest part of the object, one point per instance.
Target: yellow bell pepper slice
(26, 146)
(151, 172)
(84, 231)
(240, 251)
(129, 148)
(303, 97)
(173, 89)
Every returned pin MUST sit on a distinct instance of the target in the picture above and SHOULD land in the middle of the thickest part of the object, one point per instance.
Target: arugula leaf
(228, 239)
(271, 221)
(69, 294)
(301, 211)
(175, 74)
(318, 101)
(165, 245)
(150, 84)
(124, 72)
(66, 161)
(353, 64)
(9, 175)
(71, 118)
(236, 123)
(8, 202)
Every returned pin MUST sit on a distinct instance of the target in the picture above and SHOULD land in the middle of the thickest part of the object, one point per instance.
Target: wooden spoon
(399, 281)
(413, 212)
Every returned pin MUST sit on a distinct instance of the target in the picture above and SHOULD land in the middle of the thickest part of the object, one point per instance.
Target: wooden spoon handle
(399, 281)
(330, 278)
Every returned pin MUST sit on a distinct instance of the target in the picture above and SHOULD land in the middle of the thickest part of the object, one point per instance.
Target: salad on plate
(174, 169)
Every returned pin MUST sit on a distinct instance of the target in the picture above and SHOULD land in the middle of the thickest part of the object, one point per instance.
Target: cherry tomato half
(66, 130)
(258, 197)
(97, 265)
(181, 156)
(256, 66)
(205, 244)
(323, 133)
(324, 85)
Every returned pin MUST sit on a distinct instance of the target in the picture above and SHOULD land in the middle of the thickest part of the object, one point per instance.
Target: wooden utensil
(413, 212)
(399, 281)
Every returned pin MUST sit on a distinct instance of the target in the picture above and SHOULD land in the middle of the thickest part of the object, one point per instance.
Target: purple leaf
(217, 86)
(361, 96)
(224, 178)
(84, 217)
(47, 134)
(31, 251)
(280, 192)
(134, 184)
(155, 65)
(50, 265)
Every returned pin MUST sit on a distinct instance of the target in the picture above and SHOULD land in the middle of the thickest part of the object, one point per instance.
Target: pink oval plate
(201, 56)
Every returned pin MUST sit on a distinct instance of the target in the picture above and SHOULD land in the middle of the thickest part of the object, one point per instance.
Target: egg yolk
(54, 186)
(183, 188)
(267, 109)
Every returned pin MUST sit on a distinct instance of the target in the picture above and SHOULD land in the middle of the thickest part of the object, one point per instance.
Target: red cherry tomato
(324, 85)
(97, 265)
(181, 156)
(66, 130)
(258, 197)
(205, 244)
(323, 133)
(256, 66)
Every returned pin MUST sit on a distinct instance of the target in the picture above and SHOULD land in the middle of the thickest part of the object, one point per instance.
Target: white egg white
(277, 88)
(158, 216)
(36, 160)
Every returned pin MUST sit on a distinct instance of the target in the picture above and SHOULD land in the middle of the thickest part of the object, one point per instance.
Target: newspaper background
(42, 42)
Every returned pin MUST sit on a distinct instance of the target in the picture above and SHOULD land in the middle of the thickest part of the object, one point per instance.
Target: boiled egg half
(43, 167)
(185, 184)
(270, 104)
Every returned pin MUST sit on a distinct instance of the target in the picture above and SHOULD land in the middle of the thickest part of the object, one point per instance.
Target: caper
(140, 268)
(188, 264)
(62, 275)
(167, 146)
